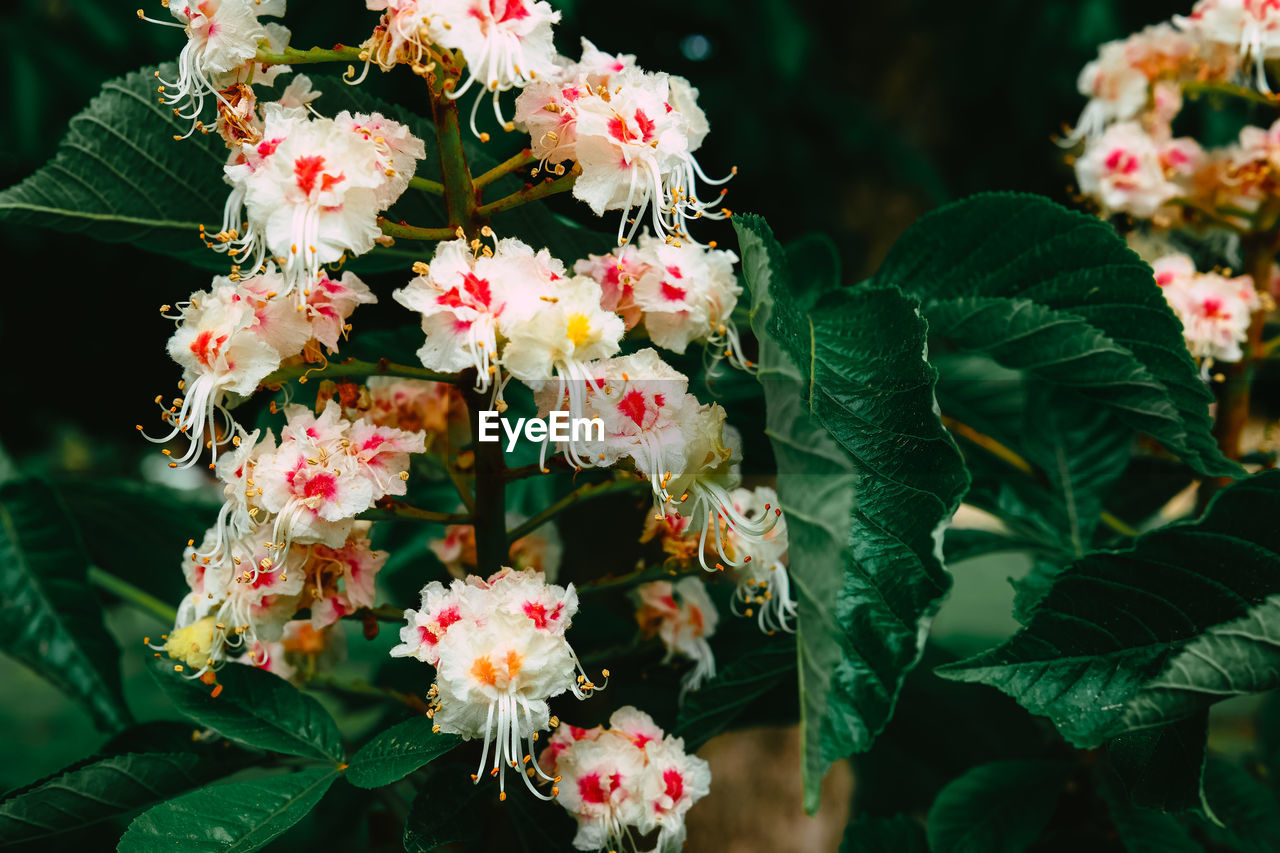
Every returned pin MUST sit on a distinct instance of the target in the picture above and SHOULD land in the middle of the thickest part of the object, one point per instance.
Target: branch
(506, 167)
(126, 591)
(293, 56)
(639, 576)
(427, 186)
(532, 193)
(988, 444)
(389, 508)
(413, 232)
(582, 493)
(353, 369)
(1200, 87)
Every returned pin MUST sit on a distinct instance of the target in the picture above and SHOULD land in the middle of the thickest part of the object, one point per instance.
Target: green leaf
(1058, 293)
(1144, 830)
(94, 792)
(1000, 807)
(713, 708)
(256, 709)
(1248, 811)
(397, 752)
(1162, 768)
(51, 620)
(1155, 633)
(540, 826)
(963, 543)
(445, 812)
(119, 176)
(897, 834)
(233, 817)
(868, 478)
(137, 531)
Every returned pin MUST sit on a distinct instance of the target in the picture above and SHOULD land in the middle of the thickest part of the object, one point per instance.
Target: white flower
(1251, 26)
(341, 580)
(500, 653)
(683, 617)
(688, 293)
(626, 781)
(222, 36)
(326, 471)
(507, 44)
(1215, 311)
(312, 189)
(1123, 170)
(634, 135)
(617, 274)
(230, 607)
(222, 351)
(471, 302)
(763, 583)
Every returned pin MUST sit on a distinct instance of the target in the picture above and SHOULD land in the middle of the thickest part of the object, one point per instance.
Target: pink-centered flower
(500, 653)
(683, 617)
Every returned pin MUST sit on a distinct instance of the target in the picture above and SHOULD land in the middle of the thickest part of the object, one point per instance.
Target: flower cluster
(627, 780)
(633, 134)
(309, 190)
(682, 616)
(232, 336)
(247, 583)
(499, 650)
(1214, 310)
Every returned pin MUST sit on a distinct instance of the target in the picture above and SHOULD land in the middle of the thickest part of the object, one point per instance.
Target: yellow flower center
(578, 329)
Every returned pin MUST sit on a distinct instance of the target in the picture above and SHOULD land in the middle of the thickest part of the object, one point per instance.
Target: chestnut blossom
(340, 581)
(1215, 310)
(678, 444)
(626, 781)
(312, 189)
(1125, 171)
(224, 345)
(539, 550)
(682, 616)
(415, 404)
(763, 584)
(688, 294)
(300, 647)
(222, 37)
(325, 471)
(500, 653)
(632, 133)
(1250, 26)
(232, 608)
(617, 274)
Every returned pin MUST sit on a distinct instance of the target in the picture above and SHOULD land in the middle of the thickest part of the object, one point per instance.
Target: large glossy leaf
(445, 812)
(868, 478)
(1059, 294)
(397, 752)
(1247, 811)
(119, 176)
(1162, 768)
(103, 789)
(897, 834)
(1132, 639)
(52, 620)
(713, 708)
(257, 709)
(137, 531)
(1000, 807)
(233, 817)
(1144, 830)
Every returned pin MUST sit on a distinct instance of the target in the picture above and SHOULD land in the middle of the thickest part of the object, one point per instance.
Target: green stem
(354, 369)
(325, 681)
(459, 190)
(390, 508)
(1118, 524)
(506, 167)
(126, 591)
(427, 186)
(460, 485)
(492, 552)
(293, 56)
(1201, 87)
(414, 232)
(588, 492)
(533, 193)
